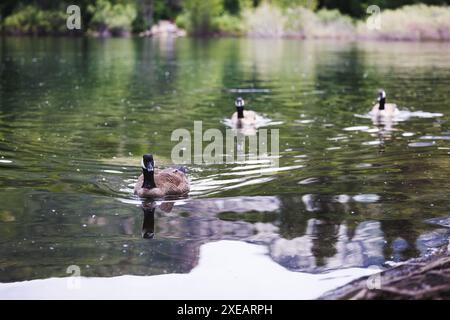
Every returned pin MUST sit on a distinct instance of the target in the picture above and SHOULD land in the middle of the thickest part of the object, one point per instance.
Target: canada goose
(383, 109)
(242, 118)
(158, 184)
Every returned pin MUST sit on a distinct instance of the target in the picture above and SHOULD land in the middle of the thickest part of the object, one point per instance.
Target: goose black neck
(240, 112)
(149, 179)
(382, 103)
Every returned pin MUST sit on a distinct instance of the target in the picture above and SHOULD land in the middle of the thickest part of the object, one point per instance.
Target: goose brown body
(390, 109)
(249, 119)
(169, 182)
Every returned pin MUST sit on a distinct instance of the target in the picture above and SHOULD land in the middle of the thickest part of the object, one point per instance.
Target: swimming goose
(383, 109)
(242, 118)
(161, 183)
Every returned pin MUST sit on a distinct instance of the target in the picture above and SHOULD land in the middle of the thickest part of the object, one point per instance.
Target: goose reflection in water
(148, 224)
(296, 239)
(385, 126)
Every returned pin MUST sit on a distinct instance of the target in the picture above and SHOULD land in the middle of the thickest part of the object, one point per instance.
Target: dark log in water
(418, 279)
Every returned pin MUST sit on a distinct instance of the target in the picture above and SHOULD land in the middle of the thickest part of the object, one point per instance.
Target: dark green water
(76, 114)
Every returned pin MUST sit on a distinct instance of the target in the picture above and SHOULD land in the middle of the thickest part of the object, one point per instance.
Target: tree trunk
(147, 12)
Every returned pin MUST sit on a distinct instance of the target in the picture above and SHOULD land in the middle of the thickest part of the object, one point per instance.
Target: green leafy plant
(33, 20)
(309, 4)
(116, 19)
(229, 24)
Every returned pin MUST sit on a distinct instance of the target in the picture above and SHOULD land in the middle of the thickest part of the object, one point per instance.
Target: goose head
(240, 103)
(148, 170)
(147, 163)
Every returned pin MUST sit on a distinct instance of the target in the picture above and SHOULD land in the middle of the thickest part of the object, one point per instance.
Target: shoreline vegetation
(298, 19)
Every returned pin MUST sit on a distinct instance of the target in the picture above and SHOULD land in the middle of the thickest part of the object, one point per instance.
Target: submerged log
(417, 279)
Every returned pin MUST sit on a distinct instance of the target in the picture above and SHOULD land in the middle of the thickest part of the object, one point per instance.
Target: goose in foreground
(383, 109)
(242, 118)
(160, 183)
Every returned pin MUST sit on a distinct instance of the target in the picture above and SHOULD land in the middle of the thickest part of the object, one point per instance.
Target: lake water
(77, 114)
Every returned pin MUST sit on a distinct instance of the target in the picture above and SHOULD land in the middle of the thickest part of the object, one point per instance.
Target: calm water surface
(77, 114)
